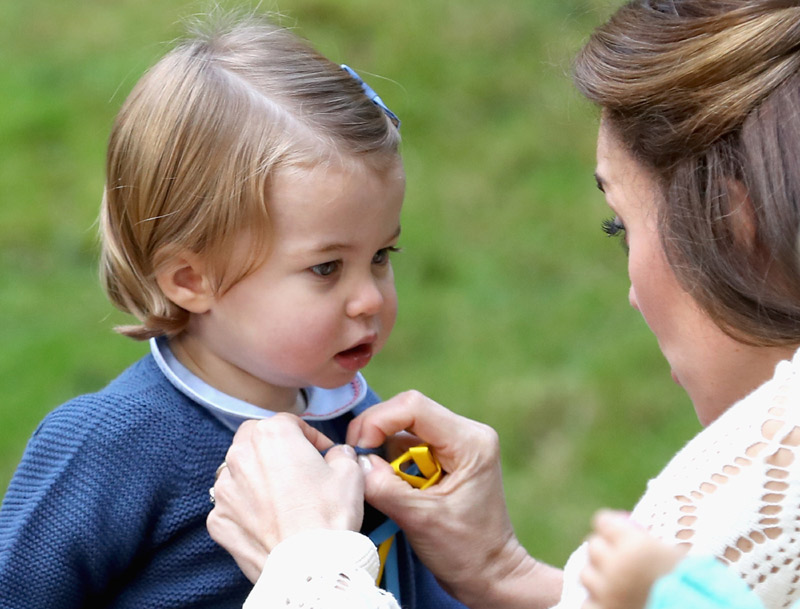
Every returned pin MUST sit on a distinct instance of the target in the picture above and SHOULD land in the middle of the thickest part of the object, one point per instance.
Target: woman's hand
(459, 527)
(276, 484)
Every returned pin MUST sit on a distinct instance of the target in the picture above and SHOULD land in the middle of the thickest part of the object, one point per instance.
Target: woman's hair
(194, 147)
(706, 95)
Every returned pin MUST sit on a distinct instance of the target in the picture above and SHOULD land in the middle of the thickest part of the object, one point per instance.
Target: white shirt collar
(322, 404)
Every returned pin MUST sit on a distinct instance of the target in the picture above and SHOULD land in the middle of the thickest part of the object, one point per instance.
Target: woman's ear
(742, 214)
(185, 282)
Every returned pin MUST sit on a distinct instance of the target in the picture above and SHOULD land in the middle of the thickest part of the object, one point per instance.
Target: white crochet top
(321, 569)
(733, 492)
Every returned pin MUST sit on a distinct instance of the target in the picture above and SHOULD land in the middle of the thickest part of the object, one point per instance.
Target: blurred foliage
(513, 303)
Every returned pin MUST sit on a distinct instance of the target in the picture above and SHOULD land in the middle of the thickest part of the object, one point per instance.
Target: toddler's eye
(325, 269)
(382, 255)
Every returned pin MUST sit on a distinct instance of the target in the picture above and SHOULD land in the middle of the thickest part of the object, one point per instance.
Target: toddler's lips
(355, 358)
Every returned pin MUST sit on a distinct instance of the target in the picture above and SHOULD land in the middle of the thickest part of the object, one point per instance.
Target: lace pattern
(321, 569)
(734, 492)
(326, 591)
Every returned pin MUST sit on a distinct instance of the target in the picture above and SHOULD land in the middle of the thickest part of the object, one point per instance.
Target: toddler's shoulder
(137, 428)
(139, 408)
(136, 395)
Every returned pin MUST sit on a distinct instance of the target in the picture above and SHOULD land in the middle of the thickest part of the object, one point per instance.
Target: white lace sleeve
(321, 569)
(733, 492)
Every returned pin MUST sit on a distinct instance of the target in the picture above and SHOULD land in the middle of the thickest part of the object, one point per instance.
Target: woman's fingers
(408, 411)
(280, 427)
(389, 493)
(340, 453)
(459, 527)
(277, 483)
(447, 433)
(396, 445)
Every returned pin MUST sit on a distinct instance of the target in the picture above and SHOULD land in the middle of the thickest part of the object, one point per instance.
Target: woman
(698, 155)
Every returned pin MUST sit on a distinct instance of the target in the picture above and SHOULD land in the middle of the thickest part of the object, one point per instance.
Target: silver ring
(211, 496)
(222, 466)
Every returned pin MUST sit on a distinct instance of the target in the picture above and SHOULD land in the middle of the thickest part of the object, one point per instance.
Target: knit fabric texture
(108, 506)
(733, 492)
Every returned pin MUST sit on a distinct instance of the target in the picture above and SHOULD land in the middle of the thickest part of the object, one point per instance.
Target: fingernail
(365, 463)
(348, 450)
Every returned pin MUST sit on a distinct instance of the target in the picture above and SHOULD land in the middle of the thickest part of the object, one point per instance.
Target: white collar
(322, 404)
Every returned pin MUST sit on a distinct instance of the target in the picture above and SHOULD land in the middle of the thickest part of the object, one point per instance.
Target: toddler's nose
(367, 299)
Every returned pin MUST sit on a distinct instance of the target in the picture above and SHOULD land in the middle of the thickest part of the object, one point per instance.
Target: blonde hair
(706, 93)
(194, 146)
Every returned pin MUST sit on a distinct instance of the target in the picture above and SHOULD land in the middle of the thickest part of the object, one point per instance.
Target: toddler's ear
(184, 281)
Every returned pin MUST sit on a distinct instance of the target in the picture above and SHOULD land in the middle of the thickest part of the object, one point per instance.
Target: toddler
(252, 202)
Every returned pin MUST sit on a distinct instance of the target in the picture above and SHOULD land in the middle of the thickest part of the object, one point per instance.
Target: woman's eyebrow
(600, 182)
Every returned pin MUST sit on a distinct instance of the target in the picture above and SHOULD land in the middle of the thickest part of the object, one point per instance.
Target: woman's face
(713, 368)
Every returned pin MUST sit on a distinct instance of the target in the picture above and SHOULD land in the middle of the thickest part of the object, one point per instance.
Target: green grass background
(513, 303)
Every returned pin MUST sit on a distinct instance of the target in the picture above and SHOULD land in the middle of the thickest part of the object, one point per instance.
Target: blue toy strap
(384, 538)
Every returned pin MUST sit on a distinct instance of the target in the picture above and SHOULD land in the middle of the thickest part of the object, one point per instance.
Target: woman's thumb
(384, 489)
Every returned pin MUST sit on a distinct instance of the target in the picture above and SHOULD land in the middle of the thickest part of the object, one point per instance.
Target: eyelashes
(327, 269)
(613, 227)
(382, 255)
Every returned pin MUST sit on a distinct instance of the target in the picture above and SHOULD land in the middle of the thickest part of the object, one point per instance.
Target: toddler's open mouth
(356, 357)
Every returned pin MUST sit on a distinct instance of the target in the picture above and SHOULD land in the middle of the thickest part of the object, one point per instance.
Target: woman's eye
(325, 269)
(382, 255)
(613, 227)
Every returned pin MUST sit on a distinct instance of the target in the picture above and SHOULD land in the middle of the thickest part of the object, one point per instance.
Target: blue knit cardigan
(108, 506)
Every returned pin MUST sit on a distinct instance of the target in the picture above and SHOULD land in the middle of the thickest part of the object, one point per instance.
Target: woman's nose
(632, 298)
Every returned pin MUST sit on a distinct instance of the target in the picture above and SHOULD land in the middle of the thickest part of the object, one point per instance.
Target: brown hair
(194, 146)
(706, 94)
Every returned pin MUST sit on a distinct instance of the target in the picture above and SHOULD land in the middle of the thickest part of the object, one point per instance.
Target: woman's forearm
(513, 580)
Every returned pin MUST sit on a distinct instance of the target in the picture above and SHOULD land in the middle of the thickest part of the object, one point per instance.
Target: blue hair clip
(374, 98)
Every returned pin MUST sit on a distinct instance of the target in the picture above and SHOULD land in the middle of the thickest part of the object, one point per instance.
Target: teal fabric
(703, 582)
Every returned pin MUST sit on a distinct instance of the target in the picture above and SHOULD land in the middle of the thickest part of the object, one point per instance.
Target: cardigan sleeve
(321, 568)
(78, 507)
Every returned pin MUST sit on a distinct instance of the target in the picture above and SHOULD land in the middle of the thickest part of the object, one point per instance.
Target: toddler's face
(324, 301)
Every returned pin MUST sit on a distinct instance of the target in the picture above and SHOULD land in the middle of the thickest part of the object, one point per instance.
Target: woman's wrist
(509, 578)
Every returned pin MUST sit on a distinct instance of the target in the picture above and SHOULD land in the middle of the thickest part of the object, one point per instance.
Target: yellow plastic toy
(420, 469)
(430, 471)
